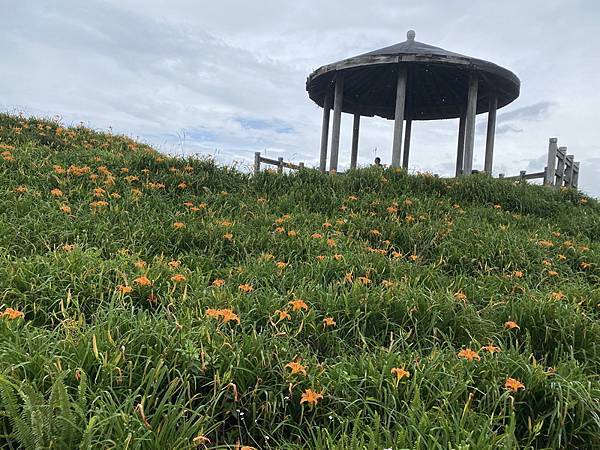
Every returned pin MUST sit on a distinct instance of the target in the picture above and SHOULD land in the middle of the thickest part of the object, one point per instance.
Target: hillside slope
(150, 302)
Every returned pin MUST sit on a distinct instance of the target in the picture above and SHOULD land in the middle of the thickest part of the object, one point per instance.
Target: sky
(227, 78)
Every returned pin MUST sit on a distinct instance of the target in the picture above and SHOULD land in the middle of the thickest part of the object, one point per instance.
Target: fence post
(522, 175)
(256, 162)
(561, 153)
(500, 175)
(301, 165)
(551, 167)
(280, 164)
(575, 182)
(569, 170)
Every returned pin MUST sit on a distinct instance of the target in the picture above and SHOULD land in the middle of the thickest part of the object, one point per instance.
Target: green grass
(91, 366)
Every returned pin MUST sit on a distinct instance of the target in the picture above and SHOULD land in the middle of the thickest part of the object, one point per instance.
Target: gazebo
(412, 81)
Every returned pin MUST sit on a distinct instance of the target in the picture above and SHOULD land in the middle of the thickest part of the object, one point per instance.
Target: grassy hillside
(150, 302)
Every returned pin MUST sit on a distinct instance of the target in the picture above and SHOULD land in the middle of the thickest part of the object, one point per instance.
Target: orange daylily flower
(56, 192)
(142, 281)
(320, 257)
(518, 274)
(513, 385)
(552, 273)
(330, 242)
(311, 397)
(226, 314)
(413, 257)
(281, 264)
(511, 325)
(12, 314)
(124, 289)
(460, 296)
(283, 315)
(584, 265)
(178, 225)
(296, 367)
(557, 295)
(218, 282)
(545, 243)
(246, 288)
(178, 278)
(228, 236)
(98, 204)
(469, 354)
(400, 373)
(329, 322)
(298, 305)
(174, 264)
(65, 208)
(316, 235)
(491, 348)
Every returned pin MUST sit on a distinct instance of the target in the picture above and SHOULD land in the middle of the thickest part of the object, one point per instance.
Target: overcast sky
(227, 78)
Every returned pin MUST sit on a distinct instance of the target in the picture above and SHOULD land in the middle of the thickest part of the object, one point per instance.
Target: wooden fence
(561, 170)
(279, 162)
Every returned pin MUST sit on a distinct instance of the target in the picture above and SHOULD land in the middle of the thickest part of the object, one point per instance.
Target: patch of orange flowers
(513, 385)
(12, 314)
(400, 373)
(468, 354)
(142, 281)
(311, 397)
(298, 305)
(227, 315)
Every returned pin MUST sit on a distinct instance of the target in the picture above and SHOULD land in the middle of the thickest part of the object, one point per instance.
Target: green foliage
(128, 266)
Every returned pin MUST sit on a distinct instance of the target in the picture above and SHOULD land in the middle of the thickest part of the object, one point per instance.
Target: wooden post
(561, 153)
(337, 119)
(575, 182)
(406, 150)
(491, 132)
(301, 165)
(460, 151)
(551, 164)
(256, 162)
(569, 170)
(399, 116)
(354, 152)
(522, 175)
(470, 124)
(325, 132)
(280, 164)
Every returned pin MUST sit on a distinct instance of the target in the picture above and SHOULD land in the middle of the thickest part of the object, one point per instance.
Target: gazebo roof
(437, 83)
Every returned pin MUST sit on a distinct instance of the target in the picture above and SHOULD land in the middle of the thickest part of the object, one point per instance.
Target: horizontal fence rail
(279, 162)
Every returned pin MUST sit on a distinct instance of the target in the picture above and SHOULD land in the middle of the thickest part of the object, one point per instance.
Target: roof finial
(411, 35)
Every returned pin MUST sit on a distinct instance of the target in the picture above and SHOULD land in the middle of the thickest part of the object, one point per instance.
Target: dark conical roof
(437, 82)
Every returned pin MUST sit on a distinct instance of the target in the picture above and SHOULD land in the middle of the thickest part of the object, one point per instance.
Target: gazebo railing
(279, 162)
(562, 169)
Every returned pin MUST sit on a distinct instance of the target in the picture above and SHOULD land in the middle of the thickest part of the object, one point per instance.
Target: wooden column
(256, 162)
(575, 182)
(470, 124)
(561, 154)
(355, 131)
(491, 132)
(325, 133)
(337, 119)
(551, 162)
(569, 160)
(460, 150)
(406, 150)
(399, 116)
